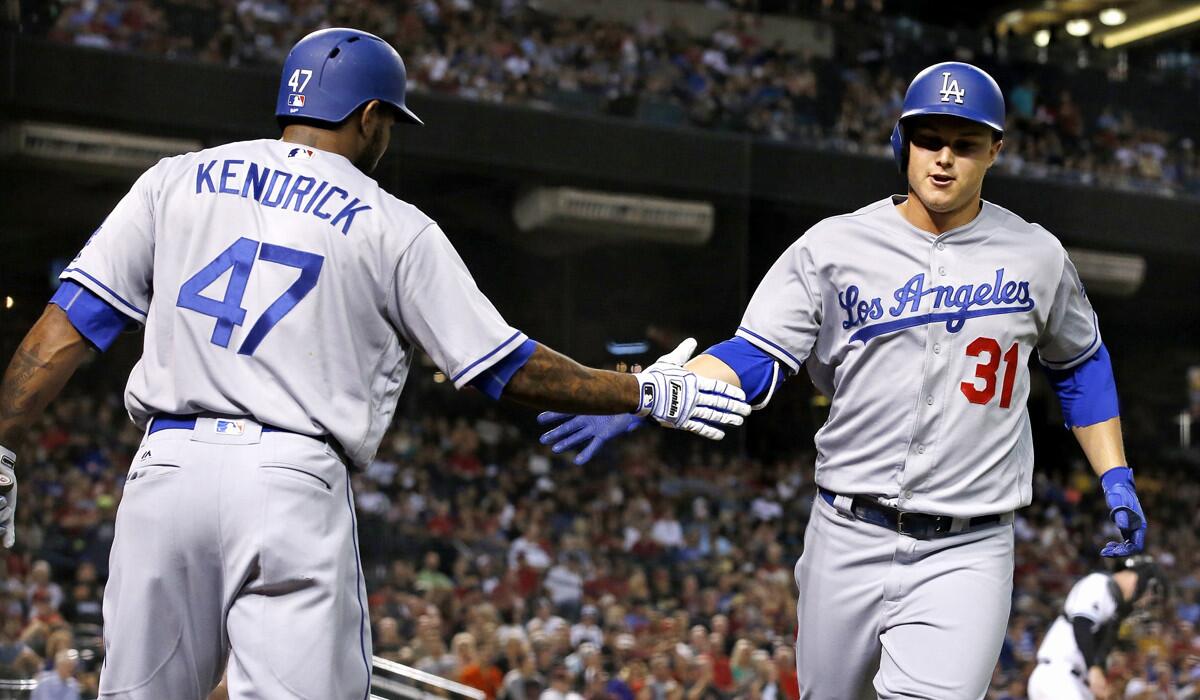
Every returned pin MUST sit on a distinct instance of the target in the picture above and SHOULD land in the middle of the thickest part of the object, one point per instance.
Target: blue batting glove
(576, 429)
(1125, 511)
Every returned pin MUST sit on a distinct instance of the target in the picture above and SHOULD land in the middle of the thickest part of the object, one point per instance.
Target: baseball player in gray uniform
(1071, 658)
(918, 315)
(284, 295)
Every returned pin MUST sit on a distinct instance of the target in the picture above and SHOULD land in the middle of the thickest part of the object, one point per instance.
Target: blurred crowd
(662, 570)
(654, 70)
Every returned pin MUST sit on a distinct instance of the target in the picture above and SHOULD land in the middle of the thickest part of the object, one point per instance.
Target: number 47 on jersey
(240, 258)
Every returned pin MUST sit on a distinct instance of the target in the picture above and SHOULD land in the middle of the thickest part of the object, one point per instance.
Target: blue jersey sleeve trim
(101, 285)
(1087, 392)
(492, 380)
(95, 319)
(753, 366)
(468, 373)
(771, 348)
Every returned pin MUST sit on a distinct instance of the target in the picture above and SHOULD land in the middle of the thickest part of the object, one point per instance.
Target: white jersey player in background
(1071, 658)
(284, 295)
(918, 315)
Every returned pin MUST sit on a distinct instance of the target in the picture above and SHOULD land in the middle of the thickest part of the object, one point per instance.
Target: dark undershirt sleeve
(1093, 645)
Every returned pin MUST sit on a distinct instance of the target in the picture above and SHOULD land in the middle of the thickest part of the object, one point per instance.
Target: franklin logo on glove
(676, 393)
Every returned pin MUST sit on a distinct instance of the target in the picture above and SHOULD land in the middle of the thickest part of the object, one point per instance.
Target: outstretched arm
(556, 382)
(553, 381)
(665, 391)
(45, 360)
(706, 365)
(572, 431)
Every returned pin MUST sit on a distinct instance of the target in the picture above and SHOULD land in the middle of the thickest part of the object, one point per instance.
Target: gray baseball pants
(235, 551)
(919, 618)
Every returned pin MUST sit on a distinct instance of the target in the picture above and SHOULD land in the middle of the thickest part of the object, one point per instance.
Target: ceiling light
(1112, 17)
(1079, 27)
(1150, 27)
(1041, 38)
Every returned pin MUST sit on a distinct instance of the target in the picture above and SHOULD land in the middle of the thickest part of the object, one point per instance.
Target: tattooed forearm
(43, 363)
(18, 393)
(555, 382)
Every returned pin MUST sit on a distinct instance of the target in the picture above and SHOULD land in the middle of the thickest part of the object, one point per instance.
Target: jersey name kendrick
(951, 304)
(280, 189)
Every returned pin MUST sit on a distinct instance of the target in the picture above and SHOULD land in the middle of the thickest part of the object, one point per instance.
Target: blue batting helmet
(957, 89)
(332, 72)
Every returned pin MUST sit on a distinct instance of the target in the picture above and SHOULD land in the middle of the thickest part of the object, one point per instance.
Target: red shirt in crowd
(485, 678)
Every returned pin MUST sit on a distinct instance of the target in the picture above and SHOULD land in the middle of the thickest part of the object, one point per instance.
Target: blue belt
(922, 526)
(167, 421)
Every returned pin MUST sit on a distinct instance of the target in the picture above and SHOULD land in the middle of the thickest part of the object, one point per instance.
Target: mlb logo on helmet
(295, 100)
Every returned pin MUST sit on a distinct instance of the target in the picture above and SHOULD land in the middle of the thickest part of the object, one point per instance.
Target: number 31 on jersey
(986, 370)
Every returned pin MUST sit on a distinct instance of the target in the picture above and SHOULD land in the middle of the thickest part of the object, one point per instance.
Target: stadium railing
(11, 689)
(389, 681)
(393, 681)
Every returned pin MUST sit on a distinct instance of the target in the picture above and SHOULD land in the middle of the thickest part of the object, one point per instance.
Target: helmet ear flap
(900, 148)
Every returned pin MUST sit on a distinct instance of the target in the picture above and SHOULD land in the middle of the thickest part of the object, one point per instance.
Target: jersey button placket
(921, 454)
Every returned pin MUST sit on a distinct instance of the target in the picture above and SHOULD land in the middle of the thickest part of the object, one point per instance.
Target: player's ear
(997, 146)
(369, 120)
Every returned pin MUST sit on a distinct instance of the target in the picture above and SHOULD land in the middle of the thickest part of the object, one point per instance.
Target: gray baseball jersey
(922, 342)
(280, 282)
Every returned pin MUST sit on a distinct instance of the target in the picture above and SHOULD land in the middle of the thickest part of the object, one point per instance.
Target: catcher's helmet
(957, 89)
(332, 72)
(1151, 578)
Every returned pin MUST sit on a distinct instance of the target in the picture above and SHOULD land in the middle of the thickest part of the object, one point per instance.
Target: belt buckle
(900, 528)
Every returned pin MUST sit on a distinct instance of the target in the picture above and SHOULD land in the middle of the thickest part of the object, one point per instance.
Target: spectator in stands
(475, 669)
(59, 683)
(17, 660)
(564, 585)
(518, 680)
(586, 630)
(42, 587)
(431, 577)
(529, 547)
(560, 686)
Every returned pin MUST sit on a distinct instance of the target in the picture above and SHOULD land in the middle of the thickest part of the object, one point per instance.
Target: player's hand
(575, 430)
(8, 499)
(680, 398)
(1097, 683)
(1125, 511)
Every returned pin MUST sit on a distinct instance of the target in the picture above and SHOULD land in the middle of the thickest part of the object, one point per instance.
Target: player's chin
(938, 199)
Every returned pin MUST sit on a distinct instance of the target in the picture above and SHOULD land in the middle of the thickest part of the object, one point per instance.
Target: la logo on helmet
(950, 89)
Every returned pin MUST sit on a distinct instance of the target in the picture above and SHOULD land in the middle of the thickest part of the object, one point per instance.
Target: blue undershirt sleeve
(1087, 392)
(757, 371)
(95, 319)
(492, 380)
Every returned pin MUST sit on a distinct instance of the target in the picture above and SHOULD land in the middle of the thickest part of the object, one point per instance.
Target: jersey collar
(984, 212)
